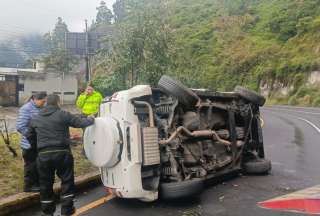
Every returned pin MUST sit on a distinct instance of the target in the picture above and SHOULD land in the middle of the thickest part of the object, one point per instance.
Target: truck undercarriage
(171, 139)
(208, 134)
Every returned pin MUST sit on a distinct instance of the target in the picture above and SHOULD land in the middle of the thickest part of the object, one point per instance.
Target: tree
(56, 38)
(104, 14)
(119, 10)
(140, 50)
(59, 60)
(213, 44)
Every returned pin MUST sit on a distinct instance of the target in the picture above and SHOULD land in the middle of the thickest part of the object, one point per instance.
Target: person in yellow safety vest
(89, 101)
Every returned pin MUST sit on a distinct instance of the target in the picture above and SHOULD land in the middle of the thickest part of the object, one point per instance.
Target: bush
(302, 91)
(316, 102)
(305, 101)
(298, 80)
(107, 85)
(293, 101)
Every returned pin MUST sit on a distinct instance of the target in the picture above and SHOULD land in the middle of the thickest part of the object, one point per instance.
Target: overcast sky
(25, 16)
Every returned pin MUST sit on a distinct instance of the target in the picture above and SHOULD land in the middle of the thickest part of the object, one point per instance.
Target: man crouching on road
(49, 134)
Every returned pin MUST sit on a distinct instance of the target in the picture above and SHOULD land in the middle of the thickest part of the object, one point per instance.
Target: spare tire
(250, 95)
(258, 166)
(187, 188)
(103, 142)
(173, 87)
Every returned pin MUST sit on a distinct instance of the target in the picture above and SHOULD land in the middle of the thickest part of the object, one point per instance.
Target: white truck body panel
(125, 177)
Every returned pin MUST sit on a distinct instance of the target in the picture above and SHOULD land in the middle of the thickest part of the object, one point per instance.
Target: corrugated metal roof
(8, 71)
(16, 71)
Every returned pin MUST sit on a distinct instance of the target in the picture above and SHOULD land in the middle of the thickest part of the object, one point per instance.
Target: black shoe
(32, 189)
(44, 214)
(70, 212)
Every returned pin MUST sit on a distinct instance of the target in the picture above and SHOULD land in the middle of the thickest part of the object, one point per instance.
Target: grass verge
(11, 169)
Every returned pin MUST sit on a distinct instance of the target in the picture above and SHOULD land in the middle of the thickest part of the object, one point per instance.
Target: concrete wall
(314, 78)
(52, 83)
(281, 90)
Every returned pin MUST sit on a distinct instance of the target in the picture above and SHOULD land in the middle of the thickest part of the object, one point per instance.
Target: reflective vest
(89, 104)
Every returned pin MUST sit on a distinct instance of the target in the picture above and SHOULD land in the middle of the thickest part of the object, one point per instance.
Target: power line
(12, 32)
(19, 34)
(32, 47)
(16, 28)
(24, 51)
(26, 48)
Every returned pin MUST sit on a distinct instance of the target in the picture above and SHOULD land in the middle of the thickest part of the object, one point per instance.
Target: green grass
(11, 169)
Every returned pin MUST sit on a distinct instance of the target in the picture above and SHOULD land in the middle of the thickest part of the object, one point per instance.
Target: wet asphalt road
(291, 142)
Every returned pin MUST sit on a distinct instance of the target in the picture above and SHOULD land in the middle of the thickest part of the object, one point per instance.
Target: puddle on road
(298, 141)
(298, 134)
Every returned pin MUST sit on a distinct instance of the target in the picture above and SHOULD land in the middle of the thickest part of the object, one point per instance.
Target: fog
(19, 17)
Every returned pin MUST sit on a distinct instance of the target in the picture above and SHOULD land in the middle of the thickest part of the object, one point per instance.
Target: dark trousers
(49, 163)
(31, 177)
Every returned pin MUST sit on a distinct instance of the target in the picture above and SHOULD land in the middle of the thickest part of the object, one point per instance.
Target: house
(18, 84)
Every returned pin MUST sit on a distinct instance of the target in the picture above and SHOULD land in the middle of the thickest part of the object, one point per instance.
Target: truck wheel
(172, 87)
(257, 167)
(175, 190)
(250, 95)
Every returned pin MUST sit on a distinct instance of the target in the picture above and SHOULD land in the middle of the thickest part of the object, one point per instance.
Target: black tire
(175, 190)
(172, 87)
(250, 95)
(257, 167)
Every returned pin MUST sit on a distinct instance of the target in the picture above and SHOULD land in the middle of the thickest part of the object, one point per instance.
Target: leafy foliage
(58, 58)
(140, 46)
(104, 14)
(215, 44)
(56, 38)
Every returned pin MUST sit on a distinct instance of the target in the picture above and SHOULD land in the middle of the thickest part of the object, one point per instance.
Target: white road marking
(296, 107)
(311, 192)
(302, 119)
(277, 163)
(310, 123)
(289, 110)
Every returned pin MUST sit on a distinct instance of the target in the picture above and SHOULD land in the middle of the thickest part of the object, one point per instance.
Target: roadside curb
(23, 200)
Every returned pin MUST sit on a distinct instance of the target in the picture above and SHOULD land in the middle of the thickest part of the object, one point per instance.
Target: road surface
(291, 137)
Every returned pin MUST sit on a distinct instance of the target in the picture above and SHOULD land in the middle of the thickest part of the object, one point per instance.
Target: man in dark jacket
(49, 134)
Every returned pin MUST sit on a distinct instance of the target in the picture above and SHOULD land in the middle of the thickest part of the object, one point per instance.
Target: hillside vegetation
(215, 44)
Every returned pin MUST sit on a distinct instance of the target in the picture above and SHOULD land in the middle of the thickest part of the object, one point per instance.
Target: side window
(128, 143)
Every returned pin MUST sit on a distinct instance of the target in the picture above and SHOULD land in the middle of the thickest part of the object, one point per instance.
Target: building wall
(52, 83)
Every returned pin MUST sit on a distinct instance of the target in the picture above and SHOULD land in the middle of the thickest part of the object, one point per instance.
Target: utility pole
(87, 77)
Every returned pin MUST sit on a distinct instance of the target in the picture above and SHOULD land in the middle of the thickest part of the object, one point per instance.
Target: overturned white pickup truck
(170, 140)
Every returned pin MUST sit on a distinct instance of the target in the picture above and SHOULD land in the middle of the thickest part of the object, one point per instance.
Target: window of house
(68, 93)
(35, 92)
(21, 87)
(2, 78)
(10, 78)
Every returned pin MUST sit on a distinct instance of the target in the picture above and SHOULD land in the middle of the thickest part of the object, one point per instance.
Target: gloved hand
(91, 117)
